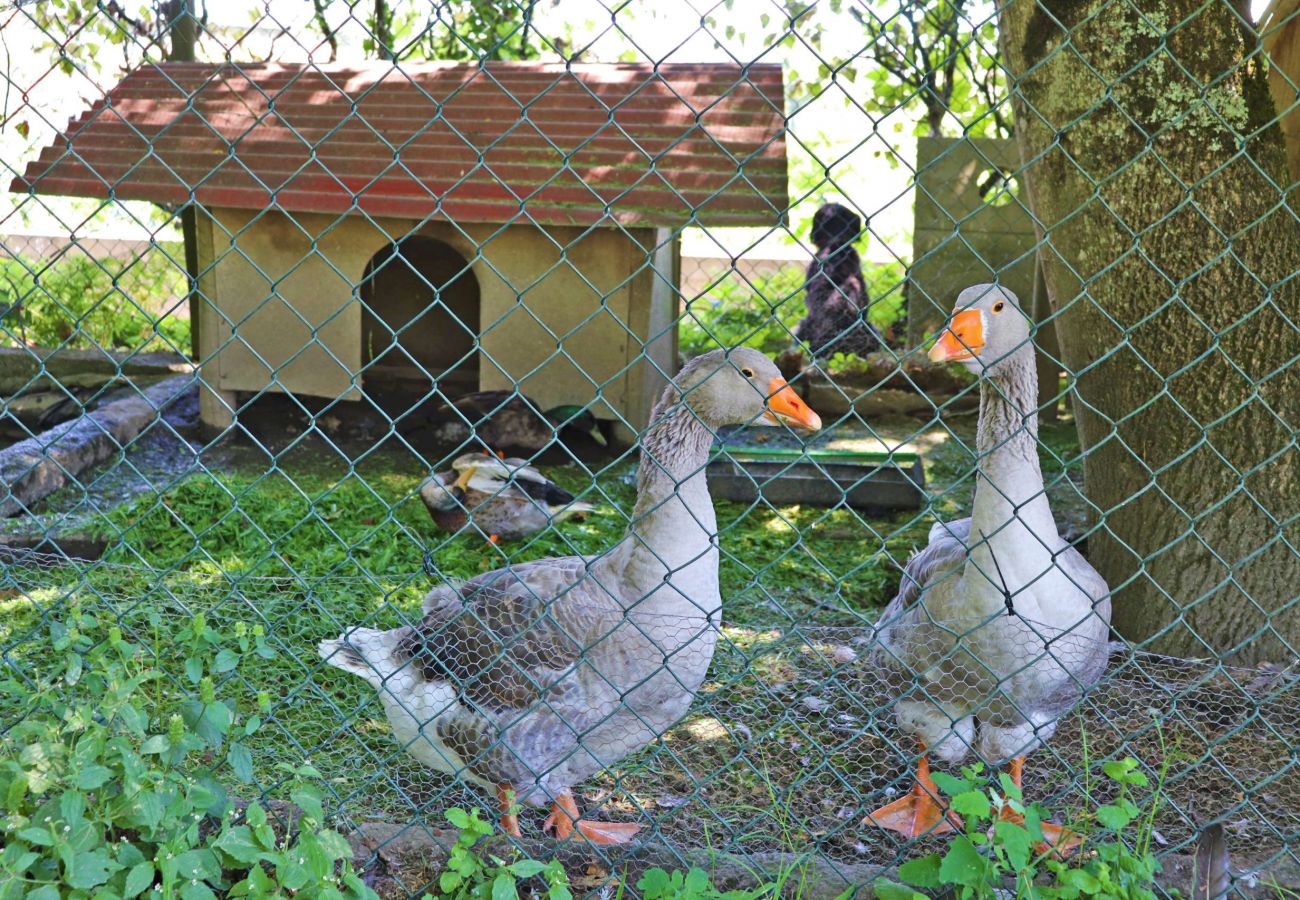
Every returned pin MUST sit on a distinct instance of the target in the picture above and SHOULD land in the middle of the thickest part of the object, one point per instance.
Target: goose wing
(941, 560)
(511, 644)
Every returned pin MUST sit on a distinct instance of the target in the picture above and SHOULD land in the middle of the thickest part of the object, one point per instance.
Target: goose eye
(747, 372)
(999, 306)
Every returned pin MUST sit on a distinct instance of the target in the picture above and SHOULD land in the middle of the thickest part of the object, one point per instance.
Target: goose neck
(1010, 489)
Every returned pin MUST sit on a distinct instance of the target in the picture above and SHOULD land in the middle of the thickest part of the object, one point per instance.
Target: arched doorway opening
(419, 320)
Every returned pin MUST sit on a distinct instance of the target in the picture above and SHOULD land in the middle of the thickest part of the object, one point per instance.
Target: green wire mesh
(299, 509)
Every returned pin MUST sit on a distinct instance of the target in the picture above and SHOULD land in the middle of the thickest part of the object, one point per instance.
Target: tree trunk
(1155, 180)
(382, 31)
(182, 41)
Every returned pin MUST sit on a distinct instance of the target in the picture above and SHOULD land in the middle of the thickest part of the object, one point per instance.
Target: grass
(790, 742)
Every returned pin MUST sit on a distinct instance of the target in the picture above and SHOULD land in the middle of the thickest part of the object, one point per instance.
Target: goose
(529, 679)
(999, 625)
(509, 419)
(505, 498)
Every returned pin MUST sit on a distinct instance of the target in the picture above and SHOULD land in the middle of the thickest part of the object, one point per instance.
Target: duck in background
(501, 419)
(506, 498)
(999, 625)
(532, 678)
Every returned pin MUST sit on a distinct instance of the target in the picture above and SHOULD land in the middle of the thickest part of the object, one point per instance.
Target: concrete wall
(959, 239)
(565, 312)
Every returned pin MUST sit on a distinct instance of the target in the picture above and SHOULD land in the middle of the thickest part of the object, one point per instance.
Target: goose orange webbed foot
(563, 822)
(506, 803)
(1058, 842)
(919, 813)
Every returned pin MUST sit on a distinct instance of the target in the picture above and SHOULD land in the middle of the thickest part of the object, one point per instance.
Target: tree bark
(1157, 185)
(182, 45)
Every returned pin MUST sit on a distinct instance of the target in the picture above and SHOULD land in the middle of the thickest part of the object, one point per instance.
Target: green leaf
(139, 878)
(196, 891)
(1124, 771)
(44, 892)
(156, 744)
(255, 815)
(458, 818)
(922, 872)
(951, 785)
(1081, 880)
(653, 883)
(449, 881)
(194, 669)
(92, 777)
(1113, 817)
(962, 864)
(18, 865)
(527, 868)
(892, 890)
(133, 718)
(971, 803)
(307, 798)
(75, 664)
(226, 661)
(200, 864)
(241, 762)
(72, 806)
(503, 887)
(88, 868)
(334, 845)
(293, 875)
(41, 837)
(1014, 839)
(239, 845)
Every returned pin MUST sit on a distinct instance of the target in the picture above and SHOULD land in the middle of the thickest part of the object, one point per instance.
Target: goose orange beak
(785, 407)
(962, 339)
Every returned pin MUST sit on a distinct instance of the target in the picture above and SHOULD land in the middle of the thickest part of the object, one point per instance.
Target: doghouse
(436, 227)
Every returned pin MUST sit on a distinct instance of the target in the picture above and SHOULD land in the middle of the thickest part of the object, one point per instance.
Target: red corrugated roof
(493, 143)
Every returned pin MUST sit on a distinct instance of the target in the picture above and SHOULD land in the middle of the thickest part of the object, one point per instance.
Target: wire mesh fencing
(412, 340)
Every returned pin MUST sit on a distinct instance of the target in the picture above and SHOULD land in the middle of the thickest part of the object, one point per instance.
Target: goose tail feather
(364, 652)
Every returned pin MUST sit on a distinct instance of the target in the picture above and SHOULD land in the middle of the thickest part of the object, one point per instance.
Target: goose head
(741, 387)
(986, 330)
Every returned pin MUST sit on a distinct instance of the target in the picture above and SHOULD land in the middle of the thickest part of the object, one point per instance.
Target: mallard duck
(506, 498)
(531, 678)
(502, 419)
(999, 625)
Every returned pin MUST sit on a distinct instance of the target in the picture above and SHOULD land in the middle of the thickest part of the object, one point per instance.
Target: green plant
(763, 312)
(657, 884)
(1003, 845)
(78, 301)
(473, 873)
(110, 795)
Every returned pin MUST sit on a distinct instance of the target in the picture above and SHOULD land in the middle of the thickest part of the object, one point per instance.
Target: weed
(78, 301)
(1003, 844)
(106, 793)
(470, 873)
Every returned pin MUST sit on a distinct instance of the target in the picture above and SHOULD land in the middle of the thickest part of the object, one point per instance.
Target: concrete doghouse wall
(959, 237)
(564, 312)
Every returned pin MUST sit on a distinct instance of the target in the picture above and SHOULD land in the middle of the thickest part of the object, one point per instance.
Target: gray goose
(529, 679)
(999, 625)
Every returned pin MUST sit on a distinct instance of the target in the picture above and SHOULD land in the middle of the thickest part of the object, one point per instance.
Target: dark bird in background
(835, 291)
(501, 419)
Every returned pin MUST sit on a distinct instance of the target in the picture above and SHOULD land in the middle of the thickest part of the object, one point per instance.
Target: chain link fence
(272, 271)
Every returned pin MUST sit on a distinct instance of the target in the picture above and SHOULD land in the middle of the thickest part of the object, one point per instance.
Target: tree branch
(326, 31)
